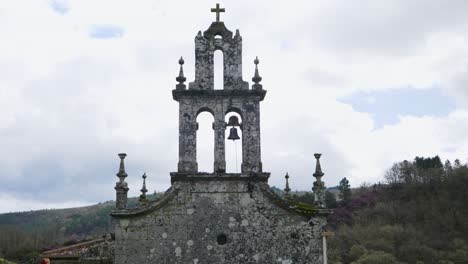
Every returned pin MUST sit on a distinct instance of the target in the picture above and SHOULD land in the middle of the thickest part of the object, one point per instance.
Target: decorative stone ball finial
(257, 79)
(256, 61)
(181, 78)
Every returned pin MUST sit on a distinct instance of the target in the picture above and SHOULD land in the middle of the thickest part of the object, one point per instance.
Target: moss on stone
(304, 208)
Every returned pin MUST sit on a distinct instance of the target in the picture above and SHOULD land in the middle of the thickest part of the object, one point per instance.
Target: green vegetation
(420, 216)
(24, 235)
(345, 190)
(304, 208)
(2, 261)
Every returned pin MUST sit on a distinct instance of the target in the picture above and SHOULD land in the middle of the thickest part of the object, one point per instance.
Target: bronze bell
(233, 121)
(233, 134)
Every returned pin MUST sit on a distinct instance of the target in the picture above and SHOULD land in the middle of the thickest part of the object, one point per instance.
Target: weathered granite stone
(235, 97)
(121, 186)
(219, 217)
(319, 186)
(219, 103)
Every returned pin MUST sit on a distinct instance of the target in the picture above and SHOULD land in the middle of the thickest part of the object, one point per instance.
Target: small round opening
(221, 239)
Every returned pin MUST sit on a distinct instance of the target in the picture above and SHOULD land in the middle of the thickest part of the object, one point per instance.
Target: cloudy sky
(366, 83)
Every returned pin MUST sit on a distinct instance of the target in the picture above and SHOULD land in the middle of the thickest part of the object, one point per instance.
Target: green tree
(448, 169)
(345, 190)
(356, 252)
(330, 200)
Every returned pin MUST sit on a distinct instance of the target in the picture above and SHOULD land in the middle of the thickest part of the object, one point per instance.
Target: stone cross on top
(218, 10)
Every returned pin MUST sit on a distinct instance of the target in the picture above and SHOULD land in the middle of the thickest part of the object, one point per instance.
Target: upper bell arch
(231, 46)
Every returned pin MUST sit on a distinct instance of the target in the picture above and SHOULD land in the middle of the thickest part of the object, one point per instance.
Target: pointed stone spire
(181, 78)
(257, 79)
(237, 36)
(319, 186)
(143, 200)
(121, 186)
(287, 189)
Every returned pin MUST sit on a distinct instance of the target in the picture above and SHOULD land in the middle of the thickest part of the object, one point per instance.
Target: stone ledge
(292, 206)
(177, 94)
(150, 207)
(259, 177)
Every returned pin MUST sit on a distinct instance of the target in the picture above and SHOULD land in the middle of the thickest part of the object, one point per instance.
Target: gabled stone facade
(218, 217)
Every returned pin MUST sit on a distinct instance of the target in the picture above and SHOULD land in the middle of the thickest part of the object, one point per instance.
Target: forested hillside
(26, 234)
(419, 215)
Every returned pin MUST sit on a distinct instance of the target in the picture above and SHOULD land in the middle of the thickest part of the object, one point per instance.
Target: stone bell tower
(235, 97)
(219, 217)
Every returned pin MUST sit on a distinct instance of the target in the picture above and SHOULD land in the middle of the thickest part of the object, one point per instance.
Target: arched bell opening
(205, 144)
(218, 69)
(233, 142)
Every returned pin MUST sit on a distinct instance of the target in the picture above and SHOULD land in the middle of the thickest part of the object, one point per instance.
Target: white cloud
(70, 103)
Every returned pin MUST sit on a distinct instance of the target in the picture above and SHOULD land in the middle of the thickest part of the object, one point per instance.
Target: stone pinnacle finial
(318, 168)
(122, 174)
(121, 186)
(287, 189)
(319, 186)
(181, 78)
(257, 79)
(237, 35)
(143, 190)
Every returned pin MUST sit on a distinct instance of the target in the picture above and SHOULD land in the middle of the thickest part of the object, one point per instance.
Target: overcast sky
(366, 83)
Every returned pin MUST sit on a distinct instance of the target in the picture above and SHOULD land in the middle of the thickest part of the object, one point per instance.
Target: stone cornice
(226, 93)
(150, 207)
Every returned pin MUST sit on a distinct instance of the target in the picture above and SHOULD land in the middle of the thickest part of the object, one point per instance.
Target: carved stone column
(251, 152)
(188, 127)
(219, 127)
